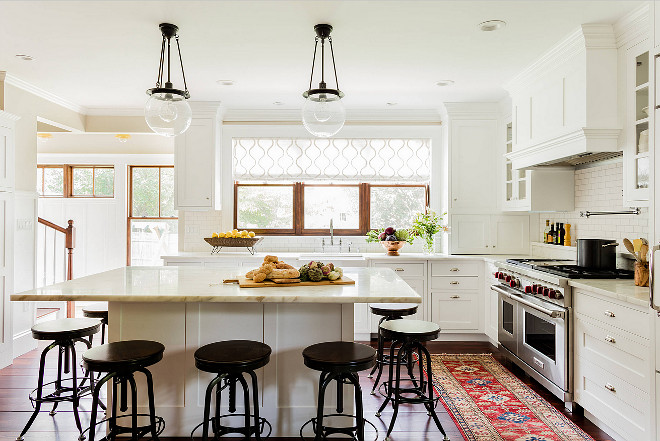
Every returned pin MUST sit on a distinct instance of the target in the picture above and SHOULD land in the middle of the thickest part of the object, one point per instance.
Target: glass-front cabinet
(516, 181)
(636, 152)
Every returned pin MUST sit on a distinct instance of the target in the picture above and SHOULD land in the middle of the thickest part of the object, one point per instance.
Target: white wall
(100, 223)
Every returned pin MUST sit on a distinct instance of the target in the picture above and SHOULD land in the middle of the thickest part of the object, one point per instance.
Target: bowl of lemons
(233, 238)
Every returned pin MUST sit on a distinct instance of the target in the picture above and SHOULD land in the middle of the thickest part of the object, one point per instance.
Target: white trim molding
(404, 116)
(633, 26)
(41, 93)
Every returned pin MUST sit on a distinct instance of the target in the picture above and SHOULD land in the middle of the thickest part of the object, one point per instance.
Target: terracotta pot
(393, 246)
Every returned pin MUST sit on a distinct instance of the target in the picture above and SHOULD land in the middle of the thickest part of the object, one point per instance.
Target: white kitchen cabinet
(196, 161)
(490, 234)
(456, 296)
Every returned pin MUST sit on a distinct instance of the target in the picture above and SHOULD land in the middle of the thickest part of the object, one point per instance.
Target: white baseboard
(462, 337)
(604, 427)
(23, 343)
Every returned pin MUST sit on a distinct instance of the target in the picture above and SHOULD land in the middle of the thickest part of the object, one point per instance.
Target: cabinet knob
(455, 297)
(609, 387)
(609, 314)
(454, 282)
(610, 339)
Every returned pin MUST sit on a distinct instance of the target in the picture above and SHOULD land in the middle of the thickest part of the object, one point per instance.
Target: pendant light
(167, 111)
(323, 113)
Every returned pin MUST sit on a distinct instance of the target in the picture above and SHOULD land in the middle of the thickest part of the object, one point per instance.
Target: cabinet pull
(610, 339)
(609, 313)
(609, 387)
(454, 297)
(454, 282)
(398, 269)
(453, 269)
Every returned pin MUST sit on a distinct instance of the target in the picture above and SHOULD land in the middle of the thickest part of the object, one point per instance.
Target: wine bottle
(551, 234)
(562, 234)
(556, 237)
(546, 231)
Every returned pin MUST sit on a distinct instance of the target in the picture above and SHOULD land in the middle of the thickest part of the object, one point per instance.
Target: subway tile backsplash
(599, 188)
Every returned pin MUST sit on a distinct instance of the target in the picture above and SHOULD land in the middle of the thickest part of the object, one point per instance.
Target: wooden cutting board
(249, 283)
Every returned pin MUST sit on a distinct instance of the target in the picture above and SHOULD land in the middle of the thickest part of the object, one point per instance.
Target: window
(76, 181)
(152, 219)
(296, 186)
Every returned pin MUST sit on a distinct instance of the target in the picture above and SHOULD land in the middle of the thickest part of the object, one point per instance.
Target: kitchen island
(187, 307)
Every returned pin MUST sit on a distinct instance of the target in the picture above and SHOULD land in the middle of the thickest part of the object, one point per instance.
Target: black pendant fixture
(167, 111)
(323, 113)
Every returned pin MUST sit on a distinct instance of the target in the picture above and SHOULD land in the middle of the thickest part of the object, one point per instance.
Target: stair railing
(69, 233)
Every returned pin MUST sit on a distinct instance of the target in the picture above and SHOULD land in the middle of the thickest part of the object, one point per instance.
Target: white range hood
(565, 104)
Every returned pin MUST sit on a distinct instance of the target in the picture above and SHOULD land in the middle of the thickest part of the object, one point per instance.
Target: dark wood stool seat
(65, 329)
(232, 356)
(339, 361)
(230, 360)
(393, 309)
(408, 336)
(339, 356)
(120, 361)
(65, 333)
(418, 330)
(123, 355)
(96, 310)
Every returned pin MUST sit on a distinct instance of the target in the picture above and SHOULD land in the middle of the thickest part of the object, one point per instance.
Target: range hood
(565, 104)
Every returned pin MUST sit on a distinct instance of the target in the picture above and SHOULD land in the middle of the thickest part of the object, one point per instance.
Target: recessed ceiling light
(24, 57)
(492, 25)
(443, 83)
(391, 103)
(278, 103)
(226, 82)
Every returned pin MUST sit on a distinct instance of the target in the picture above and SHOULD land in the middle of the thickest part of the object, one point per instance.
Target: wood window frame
(130, 205)
(67, 175)
(299, 209)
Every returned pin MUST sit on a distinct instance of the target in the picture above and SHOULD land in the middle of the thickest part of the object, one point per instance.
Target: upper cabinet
(197, 160)
(564, 106)
(636, 151)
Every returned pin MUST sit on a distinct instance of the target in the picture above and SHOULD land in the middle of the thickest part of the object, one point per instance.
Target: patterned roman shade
(336, 159)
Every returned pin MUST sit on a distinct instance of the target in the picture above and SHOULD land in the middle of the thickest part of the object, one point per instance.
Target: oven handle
(546, 311)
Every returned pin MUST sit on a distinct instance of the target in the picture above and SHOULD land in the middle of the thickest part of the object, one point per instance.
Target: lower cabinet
(456, 310)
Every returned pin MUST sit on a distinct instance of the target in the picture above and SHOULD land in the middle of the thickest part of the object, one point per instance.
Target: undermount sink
(342, 256)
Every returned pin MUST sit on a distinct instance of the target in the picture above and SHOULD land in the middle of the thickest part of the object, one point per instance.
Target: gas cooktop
(569, 269)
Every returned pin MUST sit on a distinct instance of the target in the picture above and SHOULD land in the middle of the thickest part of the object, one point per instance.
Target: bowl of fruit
(232, 238)
(390, 238)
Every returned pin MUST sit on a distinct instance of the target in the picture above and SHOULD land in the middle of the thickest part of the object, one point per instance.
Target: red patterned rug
(488, 403)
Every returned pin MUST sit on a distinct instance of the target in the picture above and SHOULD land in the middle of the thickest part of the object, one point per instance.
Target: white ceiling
(104, 54)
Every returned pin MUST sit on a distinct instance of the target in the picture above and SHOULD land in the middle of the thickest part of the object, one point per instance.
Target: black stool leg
(58, 382)
(95, 401)
(379, 354)
(390, 380)
(152, 405)
(255, 403)
(207, 406)
(135, 431)
(429, 405)
(359, 410)
(319, 411)
(246, 401)
(75, 397)
(397, 396)
(340, 394)
(40, 386)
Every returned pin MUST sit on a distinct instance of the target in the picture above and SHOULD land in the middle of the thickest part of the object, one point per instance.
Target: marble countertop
(207, 256)
(620, 289)
(198, 284)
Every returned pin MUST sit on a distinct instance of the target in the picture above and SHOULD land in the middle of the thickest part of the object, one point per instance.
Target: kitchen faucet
(332, 236)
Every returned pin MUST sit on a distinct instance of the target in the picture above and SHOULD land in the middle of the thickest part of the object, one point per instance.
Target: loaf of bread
(289, 273)
(282, 265)
(268, 259)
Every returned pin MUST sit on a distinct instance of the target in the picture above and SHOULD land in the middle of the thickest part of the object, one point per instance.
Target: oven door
(507, 320)
(543, 341)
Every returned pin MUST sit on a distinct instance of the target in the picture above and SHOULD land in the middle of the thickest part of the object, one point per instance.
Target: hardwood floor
(412, 424)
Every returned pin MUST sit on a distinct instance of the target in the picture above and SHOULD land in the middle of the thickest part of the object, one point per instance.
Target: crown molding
(633, 27)
(41, 93)
(352, 116)
(115, 111)
(586, 37)
(472, 110)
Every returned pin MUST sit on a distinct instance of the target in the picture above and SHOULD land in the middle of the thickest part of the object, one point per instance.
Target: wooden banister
(69, 243)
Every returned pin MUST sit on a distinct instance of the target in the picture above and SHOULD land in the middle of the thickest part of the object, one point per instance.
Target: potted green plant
(426, 226)
(390, 238)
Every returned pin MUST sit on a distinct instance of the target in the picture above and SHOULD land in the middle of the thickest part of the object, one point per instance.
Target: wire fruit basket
(232, 242)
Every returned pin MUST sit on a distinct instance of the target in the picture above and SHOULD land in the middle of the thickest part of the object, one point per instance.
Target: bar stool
(98, 311)
(388, 311)
(65, 333)
(229, 360)
(339, 361)
(120, 360)
(409, 335)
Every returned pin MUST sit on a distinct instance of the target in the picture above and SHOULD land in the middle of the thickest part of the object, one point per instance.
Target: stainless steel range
(535, 317)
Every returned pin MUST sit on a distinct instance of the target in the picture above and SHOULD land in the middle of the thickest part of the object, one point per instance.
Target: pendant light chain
(169, 60)
(159, 80)
(311, 77)
(323, 63)
(183, 73)
(332, 53)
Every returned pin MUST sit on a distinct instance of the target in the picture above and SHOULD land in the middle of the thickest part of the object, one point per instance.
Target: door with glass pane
(152, 220)
(515, 181)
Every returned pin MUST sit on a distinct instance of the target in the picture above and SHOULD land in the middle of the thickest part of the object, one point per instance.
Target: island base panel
(288, 390)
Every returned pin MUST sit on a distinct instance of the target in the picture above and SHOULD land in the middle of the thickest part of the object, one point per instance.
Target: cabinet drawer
(455, 283)
(619, 353)
(455, 268)
(622, 406)
(610, 313)
(455, 311)
(404, 269)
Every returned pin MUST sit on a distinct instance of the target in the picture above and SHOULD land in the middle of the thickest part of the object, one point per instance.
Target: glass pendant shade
(323, 115)
(168, 114)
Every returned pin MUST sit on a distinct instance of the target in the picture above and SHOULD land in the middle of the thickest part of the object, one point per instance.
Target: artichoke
(315, 274)
(334, 275)
(326, 270)
(303, 273)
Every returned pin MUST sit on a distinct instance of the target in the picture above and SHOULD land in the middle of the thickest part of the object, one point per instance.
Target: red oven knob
(528, 289)
(500, 276)
(513, 283)
(507, 279)
(496, 274)
(538, 290)
(552, 294)
(546, 292)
